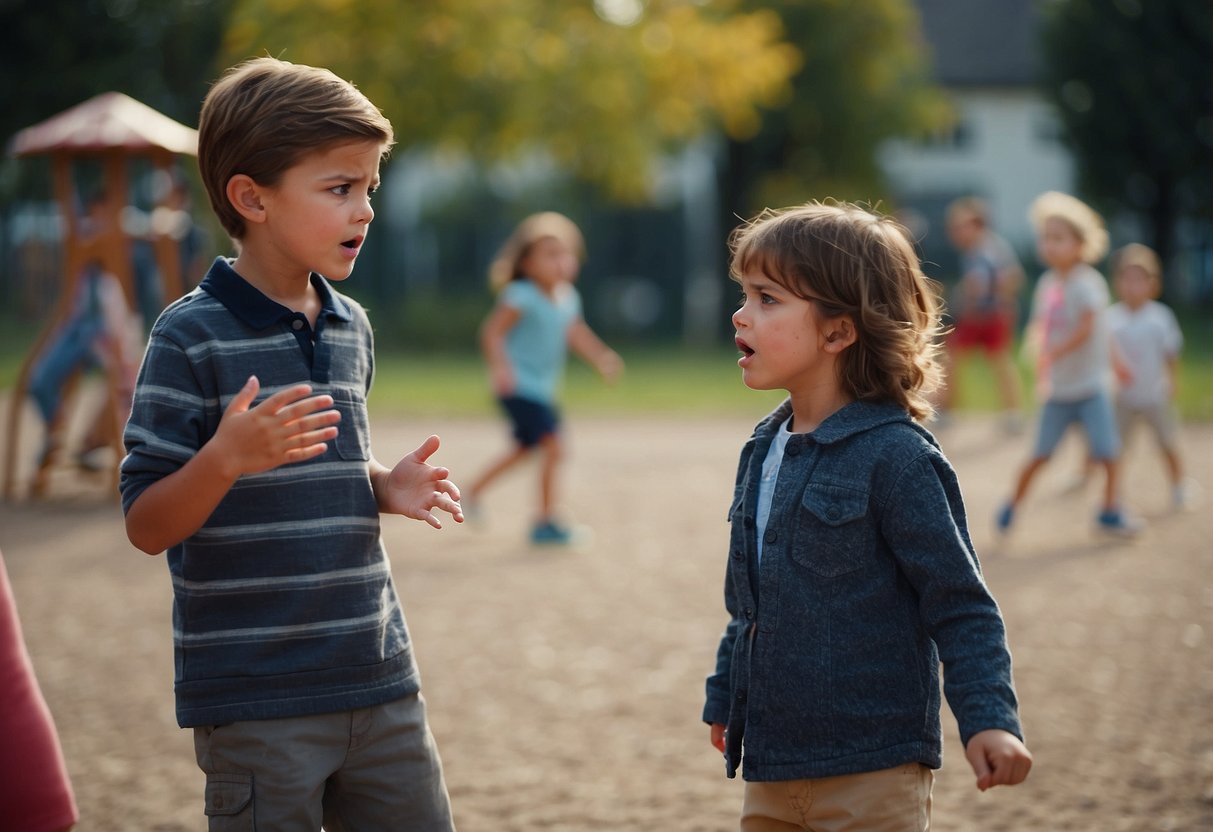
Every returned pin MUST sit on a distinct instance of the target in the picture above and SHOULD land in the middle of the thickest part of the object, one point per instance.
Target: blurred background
(657, 125)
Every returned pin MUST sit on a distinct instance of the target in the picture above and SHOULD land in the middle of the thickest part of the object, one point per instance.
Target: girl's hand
(501, 379)
(998, 758)
(610, 366)
(718, 737)
(414, 488)
(290, 426)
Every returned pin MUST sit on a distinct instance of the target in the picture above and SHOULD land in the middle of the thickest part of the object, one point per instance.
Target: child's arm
(1086, 325)
(492, 343)
(414, 487)
(289, 426)
(998, 758)
(586, 343)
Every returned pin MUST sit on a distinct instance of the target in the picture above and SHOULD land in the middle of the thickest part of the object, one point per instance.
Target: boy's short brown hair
(851, 261)
(264, 114)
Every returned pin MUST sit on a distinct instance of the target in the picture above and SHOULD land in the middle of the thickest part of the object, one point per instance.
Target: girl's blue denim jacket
(868, 580)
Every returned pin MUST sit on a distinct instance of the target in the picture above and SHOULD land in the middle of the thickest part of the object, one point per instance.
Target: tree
(601, 87)
(1131, 82)
(864, 78)
(58, 53)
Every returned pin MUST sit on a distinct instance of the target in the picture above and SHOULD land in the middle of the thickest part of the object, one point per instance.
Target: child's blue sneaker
(1006, 515)
(549, 533)
(1115, 521)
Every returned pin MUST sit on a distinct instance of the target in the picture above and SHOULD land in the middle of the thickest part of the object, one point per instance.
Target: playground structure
(111, 130)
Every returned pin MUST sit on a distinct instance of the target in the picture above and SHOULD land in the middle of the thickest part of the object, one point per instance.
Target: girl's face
(1134, 285)
(1059, 245)
(780, 338)
(549, 262)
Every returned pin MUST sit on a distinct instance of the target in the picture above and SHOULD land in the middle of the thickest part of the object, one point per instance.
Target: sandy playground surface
(565, 686)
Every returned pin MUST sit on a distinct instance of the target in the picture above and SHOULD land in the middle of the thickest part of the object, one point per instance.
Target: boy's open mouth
(352, 243)
(745, 348)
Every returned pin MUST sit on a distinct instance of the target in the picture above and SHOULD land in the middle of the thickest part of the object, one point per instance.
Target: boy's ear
(840, 333)
(245, 196)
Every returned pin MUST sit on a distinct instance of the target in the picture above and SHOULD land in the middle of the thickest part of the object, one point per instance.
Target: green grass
(661, 380)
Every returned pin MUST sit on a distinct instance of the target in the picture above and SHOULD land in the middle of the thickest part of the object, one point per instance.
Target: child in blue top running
(525, 340)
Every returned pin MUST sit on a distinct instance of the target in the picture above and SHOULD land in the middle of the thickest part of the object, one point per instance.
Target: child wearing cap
(1146, 341)
(1073, 368)
(525, 340)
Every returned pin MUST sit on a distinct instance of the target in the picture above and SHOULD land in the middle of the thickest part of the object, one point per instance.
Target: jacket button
(741, 696)
(748, 613)
(296, 324)
(833, 513)
(771, 536)
(748, 522)
(736, 554)
(793, 450)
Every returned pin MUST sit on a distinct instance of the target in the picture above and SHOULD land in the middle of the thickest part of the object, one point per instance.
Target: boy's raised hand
(290, 426)
(414, 488)
(998, 758)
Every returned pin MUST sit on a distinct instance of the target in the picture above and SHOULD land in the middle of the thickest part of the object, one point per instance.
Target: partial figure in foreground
(851, 574)
(525, 340)
(249, 459)
(35, 791)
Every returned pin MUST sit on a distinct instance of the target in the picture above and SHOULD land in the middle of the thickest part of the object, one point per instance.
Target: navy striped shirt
(283, 602)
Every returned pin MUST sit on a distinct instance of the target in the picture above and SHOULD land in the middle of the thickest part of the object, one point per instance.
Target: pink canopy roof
(107, 121)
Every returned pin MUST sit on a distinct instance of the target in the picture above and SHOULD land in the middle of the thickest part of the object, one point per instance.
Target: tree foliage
(1131, 79)
(864, 78)
(58, 53)
(602, 87)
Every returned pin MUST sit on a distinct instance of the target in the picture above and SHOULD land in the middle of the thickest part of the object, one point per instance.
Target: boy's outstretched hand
(998, 758)
(414, 488)
(290, 426)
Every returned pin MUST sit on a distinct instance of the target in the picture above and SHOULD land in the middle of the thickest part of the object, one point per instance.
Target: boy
(1069, 325)
(984, 304)
(293, 662)
(1146, 342)
(851, 573)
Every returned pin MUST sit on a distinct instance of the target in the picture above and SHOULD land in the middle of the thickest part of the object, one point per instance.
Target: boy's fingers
(426, 449)
(241, 401)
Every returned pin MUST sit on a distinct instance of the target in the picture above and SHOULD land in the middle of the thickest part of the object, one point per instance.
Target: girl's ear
(840, 334)
(245, 196)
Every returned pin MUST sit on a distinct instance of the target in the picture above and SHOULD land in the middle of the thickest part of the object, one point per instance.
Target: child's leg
(892, 800)
(392, 778)
(495, 470)
(1055, 418)
(273, 770)
(552, 449)
(1099, 420)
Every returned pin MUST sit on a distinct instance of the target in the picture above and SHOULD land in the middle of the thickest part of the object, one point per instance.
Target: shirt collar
(856, 417)
(256, 310)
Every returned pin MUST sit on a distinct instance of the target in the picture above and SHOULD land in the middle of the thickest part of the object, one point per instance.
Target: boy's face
(1059, 245)
(318, 214)
(964, 230)
(1134, 285)
(780, 338)
(548, 262)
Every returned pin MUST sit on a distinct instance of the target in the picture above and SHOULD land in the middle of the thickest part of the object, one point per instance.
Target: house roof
(107, 121)
(981, 42)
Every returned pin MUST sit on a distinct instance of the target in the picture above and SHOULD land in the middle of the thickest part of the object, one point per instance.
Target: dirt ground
(565, 687)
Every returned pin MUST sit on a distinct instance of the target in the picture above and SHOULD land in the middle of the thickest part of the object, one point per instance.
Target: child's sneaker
(1004, 518)
(1185, 496)
(1116, 522)
(549, 533)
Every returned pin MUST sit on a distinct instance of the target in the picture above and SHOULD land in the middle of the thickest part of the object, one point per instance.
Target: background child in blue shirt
(249, 460)
(851, 574)
(525, 340)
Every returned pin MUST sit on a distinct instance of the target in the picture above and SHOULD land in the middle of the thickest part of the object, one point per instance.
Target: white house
(1005, 147)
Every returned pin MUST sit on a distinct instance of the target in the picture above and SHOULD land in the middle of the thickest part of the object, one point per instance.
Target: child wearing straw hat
(525, 340)
(1073, 364)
